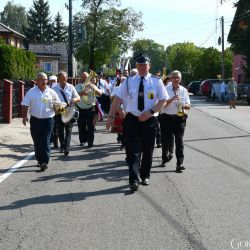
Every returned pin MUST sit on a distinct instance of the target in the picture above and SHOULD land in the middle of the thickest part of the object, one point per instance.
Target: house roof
(6, 29)
(47, 55)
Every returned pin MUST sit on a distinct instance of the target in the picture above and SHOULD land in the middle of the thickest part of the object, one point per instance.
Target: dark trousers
(85, 124)
(64, 132)
(101, 100)
(106, 104)
(172, 126)
(139, 140)
(158, 132)
(54, 136)
(41, 130)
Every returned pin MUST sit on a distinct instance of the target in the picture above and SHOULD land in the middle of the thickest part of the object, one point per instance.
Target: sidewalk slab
(15, 143)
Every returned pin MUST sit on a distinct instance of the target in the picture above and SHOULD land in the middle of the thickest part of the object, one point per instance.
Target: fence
(11, 96)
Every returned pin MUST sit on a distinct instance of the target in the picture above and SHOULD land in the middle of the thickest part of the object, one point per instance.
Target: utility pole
(70, 52)
(222, 49)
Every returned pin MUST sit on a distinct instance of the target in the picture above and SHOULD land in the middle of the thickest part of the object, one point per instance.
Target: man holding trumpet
(173, 120)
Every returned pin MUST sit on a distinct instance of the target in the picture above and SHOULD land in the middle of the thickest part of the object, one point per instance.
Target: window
(47, 66)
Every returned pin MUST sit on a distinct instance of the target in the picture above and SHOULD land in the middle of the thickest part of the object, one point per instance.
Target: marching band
(141, 108)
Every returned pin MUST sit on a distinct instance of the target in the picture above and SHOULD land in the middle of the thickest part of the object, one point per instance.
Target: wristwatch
(151, 111)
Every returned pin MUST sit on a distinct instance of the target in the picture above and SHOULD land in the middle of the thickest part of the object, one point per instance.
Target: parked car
(206, 86)
(194, 87)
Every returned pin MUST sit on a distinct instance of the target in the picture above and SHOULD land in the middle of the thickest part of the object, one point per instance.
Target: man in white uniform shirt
(144, 95)
(173, 120)
(39, 101)
(67, 93)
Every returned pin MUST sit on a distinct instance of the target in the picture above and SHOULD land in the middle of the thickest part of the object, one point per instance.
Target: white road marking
(15, 167)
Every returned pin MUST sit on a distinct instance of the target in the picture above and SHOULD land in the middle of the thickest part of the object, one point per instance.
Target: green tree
(154, 50)
(39, 22)
(109, 31)
(14, 16)
(183, 57)
(59, 29)
(239, 35)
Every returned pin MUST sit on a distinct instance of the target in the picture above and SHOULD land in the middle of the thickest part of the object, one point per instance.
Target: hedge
(16, 63)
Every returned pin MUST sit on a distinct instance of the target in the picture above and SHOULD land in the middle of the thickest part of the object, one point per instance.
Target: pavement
(16, 142)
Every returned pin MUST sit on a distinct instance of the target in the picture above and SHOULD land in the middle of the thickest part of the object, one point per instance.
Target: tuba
(87, 87)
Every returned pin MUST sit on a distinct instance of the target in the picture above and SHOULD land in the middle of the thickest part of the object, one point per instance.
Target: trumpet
(180, 111)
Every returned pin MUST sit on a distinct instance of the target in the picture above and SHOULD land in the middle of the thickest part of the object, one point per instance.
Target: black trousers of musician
(158, 132)
(64, 133)
(139, 140)
(101, 100)
(172, 126)
(85, 124)
(107, 103)
(41, 130)
(54, 136)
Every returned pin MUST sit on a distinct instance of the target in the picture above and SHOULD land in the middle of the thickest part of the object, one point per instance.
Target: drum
(70, 115)
(118, 128)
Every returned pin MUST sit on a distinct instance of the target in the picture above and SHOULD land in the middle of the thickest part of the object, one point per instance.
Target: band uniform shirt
(123, 105)
(87, 101)
(171, 109)
(154, 91)
(40, 103)
(103, 85)
(69, 91)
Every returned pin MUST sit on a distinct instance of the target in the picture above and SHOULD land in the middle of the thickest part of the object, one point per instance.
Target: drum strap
(64, 97)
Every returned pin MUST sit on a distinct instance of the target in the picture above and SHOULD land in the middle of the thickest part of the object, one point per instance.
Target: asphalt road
(83, 201)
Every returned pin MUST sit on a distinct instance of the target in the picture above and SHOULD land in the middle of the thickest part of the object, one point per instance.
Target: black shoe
(234, 107)
(145, 182)
(158, 145)
(134, 186)
(179, 168)
(61, 150)
(90, 145)
(66, 152)
(43, 166)
(81, 144)
(55, 146)
(163, 164)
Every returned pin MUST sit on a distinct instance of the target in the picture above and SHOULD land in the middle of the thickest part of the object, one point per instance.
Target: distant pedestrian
(39, 100)
(223, 92)
(232, 92)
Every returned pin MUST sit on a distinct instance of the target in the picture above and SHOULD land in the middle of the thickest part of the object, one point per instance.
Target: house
(11, 37)
(238, 38)
(52, 57)
(238, 68)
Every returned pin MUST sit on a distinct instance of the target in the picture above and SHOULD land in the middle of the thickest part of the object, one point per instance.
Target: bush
(16, 63)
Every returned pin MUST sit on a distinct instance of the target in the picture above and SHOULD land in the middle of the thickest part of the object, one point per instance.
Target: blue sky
(167, 21)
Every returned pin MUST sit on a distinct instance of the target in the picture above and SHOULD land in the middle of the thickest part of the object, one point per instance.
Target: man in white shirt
(144, 95)
(67, 93)
(39, 101)
(173, 120)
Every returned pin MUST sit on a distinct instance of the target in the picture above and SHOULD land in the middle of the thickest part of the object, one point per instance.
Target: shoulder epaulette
(156, 76)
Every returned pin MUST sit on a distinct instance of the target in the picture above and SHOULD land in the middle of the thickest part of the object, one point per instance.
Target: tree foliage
(239, 35)
(14, 16)
(16, 63)
(109, 31)
(39, 22)
(154, 50)
(60, 31)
